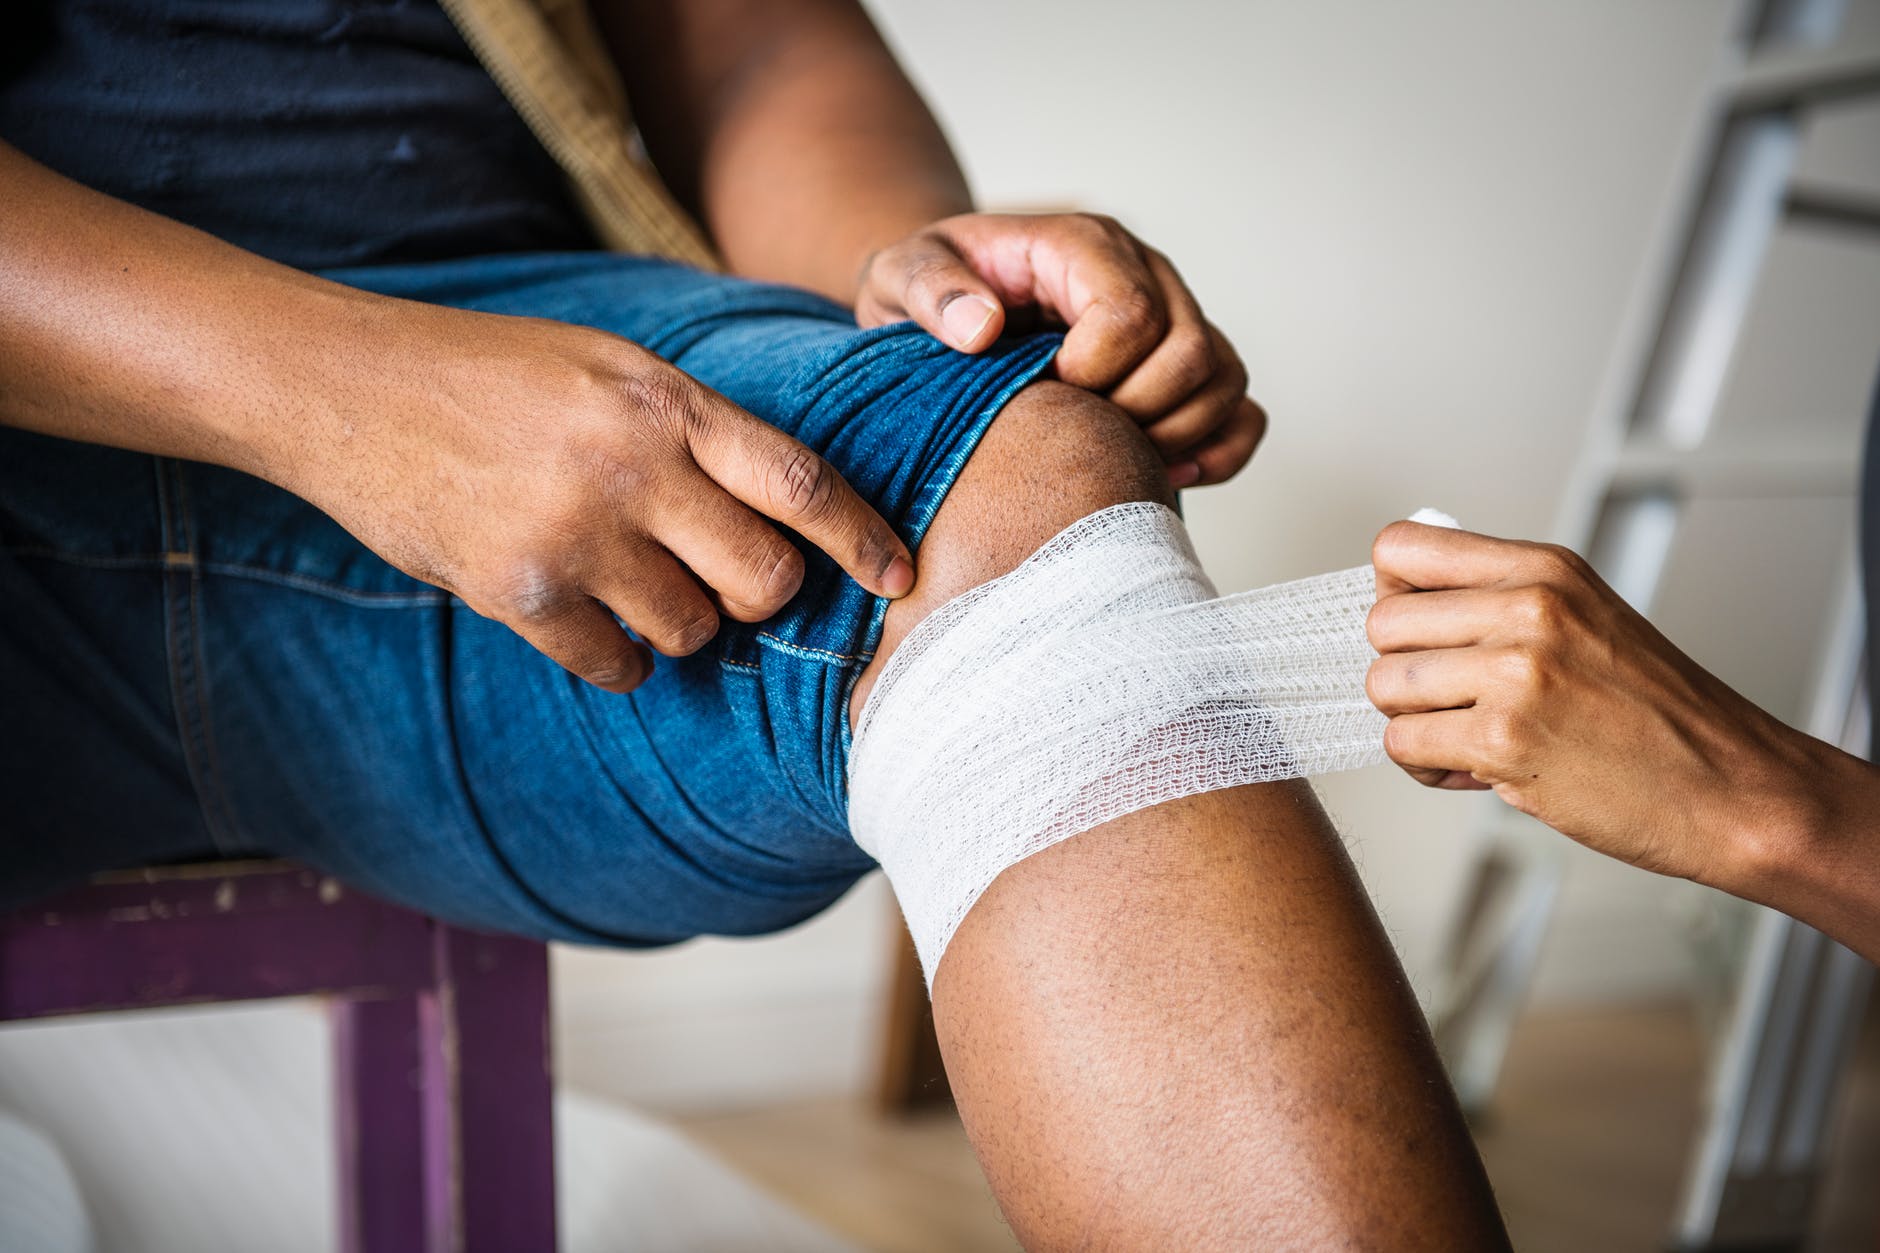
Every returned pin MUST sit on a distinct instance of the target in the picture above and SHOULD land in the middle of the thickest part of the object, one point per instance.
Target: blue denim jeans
(195, 663)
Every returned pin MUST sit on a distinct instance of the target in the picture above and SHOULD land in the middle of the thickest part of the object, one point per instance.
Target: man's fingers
(1196, 415)
(661, 601)
(1093, 276)
(1190, 356)
(926, 280)
(1195, 421)
(782, 479)
(1231, 447)
(579, 634)
(750, 567)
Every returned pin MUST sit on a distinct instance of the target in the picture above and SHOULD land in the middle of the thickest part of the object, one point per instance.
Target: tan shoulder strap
(549, 61)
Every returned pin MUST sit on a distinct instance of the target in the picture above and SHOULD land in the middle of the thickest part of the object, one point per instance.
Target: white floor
(209, 1131)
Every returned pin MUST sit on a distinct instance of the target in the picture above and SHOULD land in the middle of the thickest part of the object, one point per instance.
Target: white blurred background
(1424, 226)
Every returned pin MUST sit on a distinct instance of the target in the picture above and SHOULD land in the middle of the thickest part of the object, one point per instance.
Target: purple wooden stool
(440, 1035)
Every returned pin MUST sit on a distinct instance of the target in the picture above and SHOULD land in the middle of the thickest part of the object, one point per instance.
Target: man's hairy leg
(1183, 1029)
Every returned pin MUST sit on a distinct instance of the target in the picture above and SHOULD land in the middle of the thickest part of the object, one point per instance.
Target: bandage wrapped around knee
(1102, 676)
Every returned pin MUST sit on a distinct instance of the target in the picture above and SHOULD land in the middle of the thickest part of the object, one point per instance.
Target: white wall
(1421, 224)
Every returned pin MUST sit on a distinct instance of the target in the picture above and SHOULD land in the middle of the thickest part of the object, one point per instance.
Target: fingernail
(964, 317)
(898, 578)
(1184, 474)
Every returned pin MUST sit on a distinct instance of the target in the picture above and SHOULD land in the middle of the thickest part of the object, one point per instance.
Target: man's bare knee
(1053, 455)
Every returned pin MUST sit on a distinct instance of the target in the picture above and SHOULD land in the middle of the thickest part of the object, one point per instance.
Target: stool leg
(379, 1121)
(488, 1096)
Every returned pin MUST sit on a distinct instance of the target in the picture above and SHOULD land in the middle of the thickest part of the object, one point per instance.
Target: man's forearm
(788, 127)
(121, 327)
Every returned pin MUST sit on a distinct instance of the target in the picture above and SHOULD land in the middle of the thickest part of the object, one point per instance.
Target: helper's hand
(1513, 666)
(1136, 334)
(554, 476)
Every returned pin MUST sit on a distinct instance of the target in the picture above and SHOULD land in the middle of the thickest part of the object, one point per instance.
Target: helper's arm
(1513, 666)
(789, 128)
(482, 453)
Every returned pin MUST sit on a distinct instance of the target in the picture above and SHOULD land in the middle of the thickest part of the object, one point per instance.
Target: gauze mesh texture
(1100, 677)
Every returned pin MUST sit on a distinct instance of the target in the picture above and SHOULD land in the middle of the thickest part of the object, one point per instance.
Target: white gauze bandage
(1100, 677)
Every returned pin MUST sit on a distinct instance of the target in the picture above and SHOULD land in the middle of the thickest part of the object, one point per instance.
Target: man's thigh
(315, 702)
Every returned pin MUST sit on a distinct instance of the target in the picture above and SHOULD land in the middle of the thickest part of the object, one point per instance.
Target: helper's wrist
(1791, 825)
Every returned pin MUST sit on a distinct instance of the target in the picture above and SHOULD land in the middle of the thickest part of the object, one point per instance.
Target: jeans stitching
(177, 627)
(219, 794)
(326, 587)
(296, 582)
(103, 561)
(807, 653)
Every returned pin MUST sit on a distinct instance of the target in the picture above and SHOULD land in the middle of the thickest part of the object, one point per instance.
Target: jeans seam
(807, 653)
(105, 561)
(223, 802)
(326, 587)
(182, 631)
(241, 570)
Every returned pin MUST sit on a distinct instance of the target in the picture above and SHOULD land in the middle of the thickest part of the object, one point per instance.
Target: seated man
(334, 567)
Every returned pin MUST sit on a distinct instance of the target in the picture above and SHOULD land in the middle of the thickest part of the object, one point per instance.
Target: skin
(1512, 666)
(1181, 1030)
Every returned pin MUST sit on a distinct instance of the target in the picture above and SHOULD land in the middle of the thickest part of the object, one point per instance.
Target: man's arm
(789, 128)
(1513, 666)
(484, 454)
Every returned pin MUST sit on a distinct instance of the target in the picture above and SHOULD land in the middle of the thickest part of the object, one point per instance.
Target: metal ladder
(1784, 1039)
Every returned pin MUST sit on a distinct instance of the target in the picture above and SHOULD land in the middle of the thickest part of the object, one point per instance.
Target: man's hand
(1513, 666)
(1136, 334)
(554, 477)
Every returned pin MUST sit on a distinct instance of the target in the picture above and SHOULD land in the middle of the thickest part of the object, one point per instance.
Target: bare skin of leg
(1183, 1029)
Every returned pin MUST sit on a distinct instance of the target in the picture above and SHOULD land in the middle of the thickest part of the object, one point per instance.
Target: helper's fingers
(750, 567)
(782, 479)
(1446, 678)
(1410, 555)
(1408, 621)
(923, 278)
(1436, 749)
(655, 596)
(580, 635)
(1190, 356)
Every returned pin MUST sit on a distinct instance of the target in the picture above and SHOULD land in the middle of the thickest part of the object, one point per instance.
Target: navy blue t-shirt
(315, 132)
